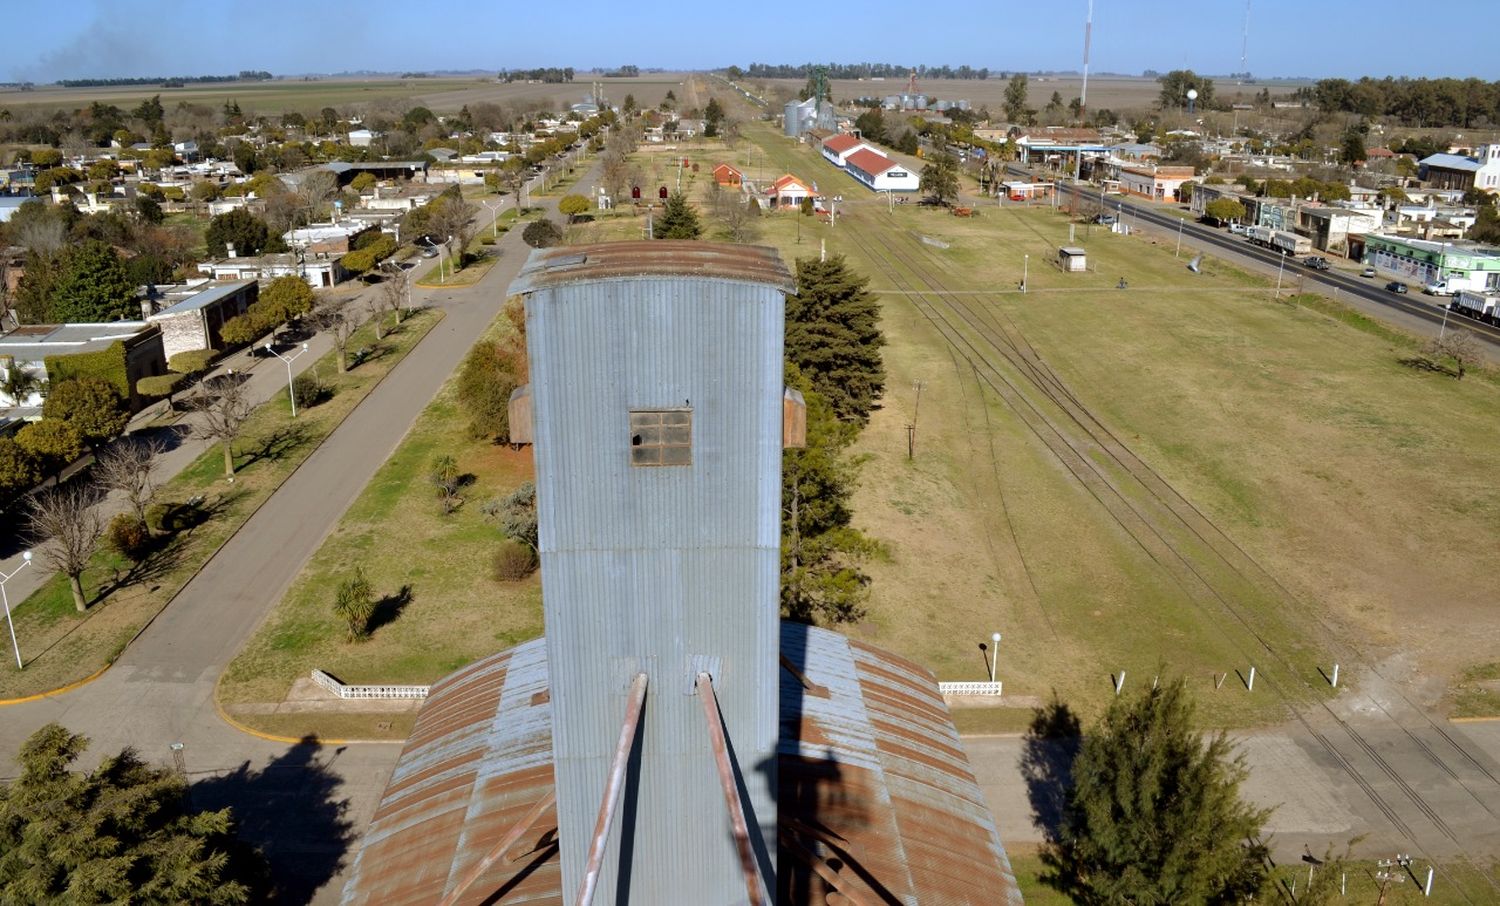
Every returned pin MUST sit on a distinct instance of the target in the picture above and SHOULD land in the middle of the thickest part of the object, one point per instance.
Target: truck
(1290, 243)
(1479, 306)
(1260, 235)
(1439, 287)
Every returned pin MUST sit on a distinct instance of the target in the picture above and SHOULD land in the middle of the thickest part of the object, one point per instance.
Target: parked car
(429, 253)
(1367, 272)
(1396, 286)
(1237, 229)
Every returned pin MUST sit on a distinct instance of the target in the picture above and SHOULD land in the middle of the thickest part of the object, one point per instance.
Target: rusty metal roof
(873, 784)
(651, 259)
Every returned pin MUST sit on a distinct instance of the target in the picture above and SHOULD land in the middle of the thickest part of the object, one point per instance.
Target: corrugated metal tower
(656, 385)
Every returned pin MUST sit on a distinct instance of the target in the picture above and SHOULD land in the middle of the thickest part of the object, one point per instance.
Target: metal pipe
(822, 870)
(731, 791)
(506, 842)
(637, 698)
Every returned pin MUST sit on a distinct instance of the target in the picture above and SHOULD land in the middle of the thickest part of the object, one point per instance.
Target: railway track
(1235, 247)
(1215, 573)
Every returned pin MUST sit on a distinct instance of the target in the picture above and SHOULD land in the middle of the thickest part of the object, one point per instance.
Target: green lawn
(442, 608)
(62, 646)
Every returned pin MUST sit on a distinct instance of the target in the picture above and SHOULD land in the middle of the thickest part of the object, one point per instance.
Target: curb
(147, 625)
(1451, 720)
(293, 740)
(60, 689)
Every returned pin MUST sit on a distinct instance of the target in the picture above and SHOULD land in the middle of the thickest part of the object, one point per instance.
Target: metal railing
(351, 692)
(969, 688)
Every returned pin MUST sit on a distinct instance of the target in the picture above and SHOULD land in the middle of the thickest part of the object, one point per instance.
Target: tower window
(661, 437)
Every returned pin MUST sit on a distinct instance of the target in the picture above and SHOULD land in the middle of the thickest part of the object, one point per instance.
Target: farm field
(442, 95)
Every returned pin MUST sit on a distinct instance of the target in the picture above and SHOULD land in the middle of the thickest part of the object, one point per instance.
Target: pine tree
(94, 286)
(833, 336)
(1154, 815)
(119, 834)
(678, 220)
(821, 552)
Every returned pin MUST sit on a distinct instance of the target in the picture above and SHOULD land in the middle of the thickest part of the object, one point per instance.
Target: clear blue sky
(102, 38)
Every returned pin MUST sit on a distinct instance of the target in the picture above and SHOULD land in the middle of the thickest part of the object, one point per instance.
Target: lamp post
(1025, 271)
(4, 578)
(994, 654)
(291, 393)
(494, 216)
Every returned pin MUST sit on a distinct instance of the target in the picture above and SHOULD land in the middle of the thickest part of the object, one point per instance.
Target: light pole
(494, 216)
(25, 562)
(291, 392)
(1025, 271)
(1280, 266)
(1178, 253)
(994, 654)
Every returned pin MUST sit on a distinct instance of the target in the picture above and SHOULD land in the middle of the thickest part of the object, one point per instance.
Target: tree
(940, 175)
(1352, 150)
(445, 476)
(239, 228)
(354, 603)
(94, 286)
(123, 833)
(1154, 814)
(573, 206)
(126, 467)
(541, 233)
(833, 336)
(1225, 210)
(90, 405)
(821, 552)
(1176, 84)
(52, 443)
(1486, 226)
(285, 298)
(516, 513)
(340, 326)
(362, 182)
(19, 470)
(1016, 98)
(223, 410)
(713, 118)
(452, 221)
(67, 522)
(678, 220)
(871, 125)
(1456, 344)
(18, 383)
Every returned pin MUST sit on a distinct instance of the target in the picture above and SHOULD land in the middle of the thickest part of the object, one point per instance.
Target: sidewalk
(267, 378)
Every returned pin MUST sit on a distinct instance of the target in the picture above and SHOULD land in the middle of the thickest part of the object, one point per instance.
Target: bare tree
(737, 218)
(126, 467)
(1457, 344)
(224, 410)
(68, 521)
(340, 326)
(454, 222)
(44, 236)
(316, 188)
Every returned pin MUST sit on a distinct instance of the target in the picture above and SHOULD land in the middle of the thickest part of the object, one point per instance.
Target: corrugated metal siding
(650, 259)
(648, 569)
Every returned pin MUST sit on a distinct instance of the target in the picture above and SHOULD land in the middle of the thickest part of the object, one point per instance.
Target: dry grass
(441, 608)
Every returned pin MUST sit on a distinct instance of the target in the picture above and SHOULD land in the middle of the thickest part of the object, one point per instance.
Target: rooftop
(870, 770)
(34, 342)
(843, 142)
(870, 162)
(211, 293)
(1450, 162)
(563, 265)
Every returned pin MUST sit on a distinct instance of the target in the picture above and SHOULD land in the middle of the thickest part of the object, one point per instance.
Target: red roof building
(725, 175)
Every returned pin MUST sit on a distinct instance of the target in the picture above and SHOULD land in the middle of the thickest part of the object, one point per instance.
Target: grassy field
(443, 95)
(62, 646)
(440, 607)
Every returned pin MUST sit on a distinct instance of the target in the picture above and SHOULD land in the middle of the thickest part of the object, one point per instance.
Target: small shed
(1071, 258)
(725, 175)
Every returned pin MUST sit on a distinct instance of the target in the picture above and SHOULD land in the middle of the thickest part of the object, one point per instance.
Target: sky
(148, 38)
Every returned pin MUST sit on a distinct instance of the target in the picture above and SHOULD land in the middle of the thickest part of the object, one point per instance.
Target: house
(788, 191)
(836, 150)
(749, 755)
(728, 176)
(1155, 183)
(320, 270)
(361, 138)
(330, 238)
(193, 315)
(1329, 227)
(880, 172)
(1455, 171)
(43, 350)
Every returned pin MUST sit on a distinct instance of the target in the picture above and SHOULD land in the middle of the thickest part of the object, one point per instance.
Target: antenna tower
(911, 85)
(1245, 42)
(1083, 96)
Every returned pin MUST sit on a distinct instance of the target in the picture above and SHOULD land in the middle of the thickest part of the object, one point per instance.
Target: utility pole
(911, 429)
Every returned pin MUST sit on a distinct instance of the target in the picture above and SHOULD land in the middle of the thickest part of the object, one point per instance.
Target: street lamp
(290, 392)
(494, 216)
(1025, 271)
(4, 578)
(994, 654)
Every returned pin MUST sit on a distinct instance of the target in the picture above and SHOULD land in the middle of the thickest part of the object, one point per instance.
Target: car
(1396, 286)
(429, 253)
(1237, 229)
(1317, 262)
(1367, 272)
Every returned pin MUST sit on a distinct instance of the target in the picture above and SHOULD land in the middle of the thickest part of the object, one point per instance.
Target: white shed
(1071, 258)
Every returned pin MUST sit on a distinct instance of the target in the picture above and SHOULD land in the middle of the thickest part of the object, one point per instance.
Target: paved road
(305, 803)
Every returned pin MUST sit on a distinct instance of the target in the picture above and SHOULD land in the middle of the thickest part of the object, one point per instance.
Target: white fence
(343, 691)
(969, 688)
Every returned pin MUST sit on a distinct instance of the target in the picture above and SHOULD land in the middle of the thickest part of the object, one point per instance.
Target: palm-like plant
(19, 383)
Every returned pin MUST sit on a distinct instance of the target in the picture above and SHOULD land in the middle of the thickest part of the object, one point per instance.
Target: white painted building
(881, 173)
(836, 150)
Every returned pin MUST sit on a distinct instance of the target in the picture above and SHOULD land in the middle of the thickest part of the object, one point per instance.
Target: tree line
(548, 74)
(855, 71)
(1463, 103)
(245, 75)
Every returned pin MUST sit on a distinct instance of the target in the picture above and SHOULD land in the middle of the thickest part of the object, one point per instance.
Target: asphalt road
(305, 803)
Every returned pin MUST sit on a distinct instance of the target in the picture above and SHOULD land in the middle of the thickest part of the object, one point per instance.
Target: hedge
(358, 262)
(107, 364)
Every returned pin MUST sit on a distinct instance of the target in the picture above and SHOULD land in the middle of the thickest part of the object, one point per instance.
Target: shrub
(355, 604)
(541, 234)
(513, 561)
(367, 257)
(159, 517)
(191, 362)
(309, 390)
(127, 536)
